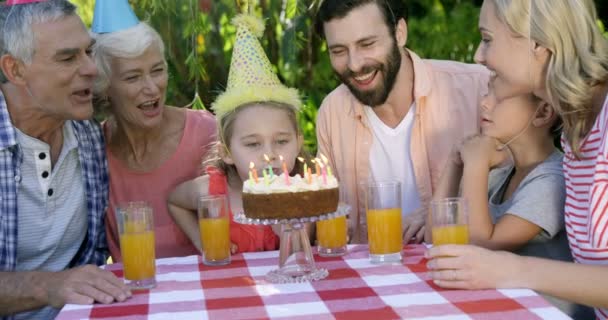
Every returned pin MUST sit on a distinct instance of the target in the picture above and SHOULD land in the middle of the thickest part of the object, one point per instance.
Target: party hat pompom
(251, 78)
(254, 24)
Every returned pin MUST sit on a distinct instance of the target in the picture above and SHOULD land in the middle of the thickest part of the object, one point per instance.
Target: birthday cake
(285, 197)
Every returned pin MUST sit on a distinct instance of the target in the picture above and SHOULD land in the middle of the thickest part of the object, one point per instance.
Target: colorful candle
(309, 176)
(252, 172)
(326, 164)
(270, 171)
(317, 161)
(285, 172)
(265, 177)
(323, 173)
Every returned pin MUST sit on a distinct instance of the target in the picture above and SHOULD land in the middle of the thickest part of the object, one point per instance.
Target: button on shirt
(52, 205)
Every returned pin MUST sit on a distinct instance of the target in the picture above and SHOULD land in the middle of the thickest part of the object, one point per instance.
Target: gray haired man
(53, 171)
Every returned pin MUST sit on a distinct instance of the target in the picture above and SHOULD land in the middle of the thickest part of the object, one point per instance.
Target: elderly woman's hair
(17, 21)
(128, 43)
(579, 54)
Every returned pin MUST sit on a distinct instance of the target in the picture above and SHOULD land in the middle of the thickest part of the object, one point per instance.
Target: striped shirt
(587, 197)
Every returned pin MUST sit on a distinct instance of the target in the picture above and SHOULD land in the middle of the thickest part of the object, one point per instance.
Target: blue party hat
(113, 15)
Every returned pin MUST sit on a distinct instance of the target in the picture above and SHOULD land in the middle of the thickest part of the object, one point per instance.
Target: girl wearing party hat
(257, 124)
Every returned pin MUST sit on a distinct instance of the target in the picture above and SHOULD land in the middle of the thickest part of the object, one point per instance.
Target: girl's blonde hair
(579, 54)
(226, 130)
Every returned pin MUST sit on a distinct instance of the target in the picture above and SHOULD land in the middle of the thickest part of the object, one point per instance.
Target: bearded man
(395, 116)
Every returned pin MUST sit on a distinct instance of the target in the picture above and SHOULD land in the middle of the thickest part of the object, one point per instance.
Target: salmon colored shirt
(155, 186)
(447, 96)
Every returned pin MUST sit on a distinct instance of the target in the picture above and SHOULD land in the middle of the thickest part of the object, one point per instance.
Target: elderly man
(53, 174)
(395, 116)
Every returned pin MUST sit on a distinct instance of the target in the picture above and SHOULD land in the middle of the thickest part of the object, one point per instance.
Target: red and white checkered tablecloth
(354, 289)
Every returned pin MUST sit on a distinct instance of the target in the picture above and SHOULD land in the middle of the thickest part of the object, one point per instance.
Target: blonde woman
(553, 49)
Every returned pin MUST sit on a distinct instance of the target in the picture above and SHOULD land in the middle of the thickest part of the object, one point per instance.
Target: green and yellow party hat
(251, 78)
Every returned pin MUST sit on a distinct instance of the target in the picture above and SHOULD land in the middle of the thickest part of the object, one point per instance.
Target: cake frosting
(278, 184)
(302, 197)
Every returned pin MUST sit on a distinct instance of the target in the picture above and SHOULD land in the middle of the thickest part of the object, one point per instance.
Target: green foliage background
(199, 39)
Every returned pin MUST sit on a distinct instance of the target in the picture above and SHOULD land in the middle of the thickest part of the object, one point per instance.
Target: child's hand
(233, 248)
(483, 151)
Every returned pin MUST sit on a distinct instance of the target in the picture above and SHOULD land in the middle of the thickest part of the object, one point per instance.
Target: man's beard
(389, 70)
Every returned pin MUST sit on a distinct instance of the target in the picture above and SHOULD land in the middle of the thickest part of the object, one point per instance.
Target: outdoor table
(354, 289)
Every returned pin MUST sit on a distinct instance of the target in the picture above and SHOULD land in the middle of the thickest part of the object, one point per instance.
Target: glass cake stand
(296, 263)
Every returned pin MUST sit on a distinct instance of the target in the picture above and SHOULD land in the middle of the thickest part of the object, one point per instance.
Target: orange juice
(450, 234)
(215, 238)
(138, 255)
(332, 233)
(384, 231)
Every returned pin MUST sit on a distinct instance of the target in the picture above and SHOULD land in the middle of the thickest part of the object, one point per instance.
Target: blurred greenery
(199, 39)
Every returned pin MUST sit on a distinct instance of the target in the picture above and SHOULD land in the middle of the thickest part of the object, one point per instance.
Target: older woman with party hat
(151, 147)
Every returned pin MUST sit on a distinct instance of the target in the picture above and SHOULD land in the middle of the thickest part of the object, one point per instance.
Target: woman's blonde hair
(579, 54)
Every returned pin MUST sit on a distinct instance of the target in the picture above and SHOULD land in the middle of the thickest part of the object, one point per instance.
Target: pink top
(587, 197)
(155, 186)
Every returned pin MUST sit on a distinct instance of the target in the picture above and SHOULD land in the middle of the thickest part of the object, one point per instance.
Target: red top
(247, 238)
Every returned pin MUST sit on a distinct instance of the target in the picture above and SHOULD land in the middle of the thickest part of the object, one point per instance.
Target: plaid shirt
(92, 157)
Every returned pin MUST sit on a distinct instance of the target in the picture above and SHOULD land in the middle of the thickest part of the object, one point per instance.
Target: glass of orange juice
(332, 236)
(383, 215)
(136, 232)
(213, 223)
(449, 221)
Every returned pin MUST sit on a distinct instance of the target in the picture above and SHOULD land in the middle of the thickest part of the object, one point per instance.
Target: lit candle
(265, 177)
(323, 172)
(316, 161)
(270, 172)
(285, 172)
(252, 172)
(305, 165)
(309, 176)
(326, 164)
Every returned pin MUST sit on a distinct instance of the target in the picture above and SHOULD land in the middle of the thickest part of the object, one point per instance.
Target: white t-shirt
(390, 159)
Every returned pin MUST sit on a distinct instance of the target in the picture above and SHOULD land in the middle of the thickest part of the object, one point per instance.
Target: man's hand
(414, 226)
(84, 285)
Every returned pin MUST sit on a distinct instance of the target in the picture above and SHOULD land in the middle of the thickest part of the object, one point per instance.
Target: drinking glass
(214, 226)
(332, 236)
(383, 215)
(449, 221)
(136, 232)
